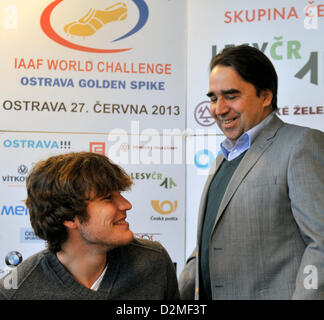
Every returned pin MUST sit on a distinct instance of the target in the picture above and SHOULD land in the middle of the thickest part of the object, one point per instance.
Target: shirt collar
(232, 150)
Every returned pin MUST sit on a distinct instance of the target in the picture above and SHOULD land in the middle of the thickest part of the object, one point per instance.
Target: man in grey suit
(261, 216)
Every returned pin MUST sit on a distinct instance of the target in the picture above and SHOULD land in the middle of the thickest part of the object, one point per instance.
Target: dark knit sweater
(140, 270)
(215, 195)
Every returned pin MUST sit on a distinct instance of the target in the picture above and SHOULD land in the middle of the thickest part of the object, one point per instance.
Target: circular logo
(13, 258)
(22, 169)
(164, 207)
(202, 114)
(204, 159)
(124, 146)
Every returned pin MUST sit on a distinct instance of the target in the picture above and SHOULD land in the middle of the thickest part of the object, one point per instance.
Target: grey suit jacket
(268, 237)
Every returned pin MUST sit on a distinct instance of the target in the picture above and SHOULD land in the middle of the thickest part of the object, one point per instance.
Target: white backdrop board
(289, 32)
(157, 196)
(116, 88)
(132, 68)
(135, 90)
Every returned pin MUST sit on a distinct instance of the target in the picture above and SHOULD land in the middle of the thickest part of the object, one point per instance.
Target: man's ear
(70, 224)
(267, 96)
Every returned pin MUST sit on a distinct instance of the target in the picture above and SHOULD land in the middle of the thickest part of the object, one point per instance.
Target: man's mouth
(228, 122)
(120, 222)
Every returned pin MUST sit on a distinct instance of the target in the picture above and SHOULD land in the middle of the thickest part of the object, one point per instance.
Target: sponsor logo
(13, 258)
(27, 235)
(202, 114)
(164, 207)
(262, 14)
(282, 49)
(98, 147)
(148, 236)
(167, 182)
(300, 110)
(13, 210)
(93, 22)
(310, 12)
(124, 147)
(22, 171)
(36, 144)
(204, 159)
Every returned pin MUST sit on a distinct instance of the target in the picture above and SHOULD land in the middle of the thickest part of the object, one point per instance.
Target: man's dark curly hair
(59, 189)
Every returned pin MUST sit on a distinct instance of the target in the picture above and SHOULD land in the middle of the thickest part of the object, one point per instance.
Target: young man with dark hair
(75, 204)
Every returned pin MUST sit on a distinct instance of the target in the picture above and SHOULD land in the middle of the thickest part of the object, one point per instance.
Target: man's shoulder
(14, 279)
(277, 128)
(146, 255)
(146, 245)
(142, 252)
(297, 132)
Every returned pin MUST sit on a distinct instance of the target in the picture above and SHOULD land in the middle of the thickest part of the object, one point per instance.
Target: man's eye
(230, 97)
(108, 197)
(213, 99)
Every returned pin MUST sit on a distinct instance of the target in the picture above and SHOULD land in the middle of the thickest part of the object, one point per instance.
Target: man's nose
(220, 107)
(123, 203)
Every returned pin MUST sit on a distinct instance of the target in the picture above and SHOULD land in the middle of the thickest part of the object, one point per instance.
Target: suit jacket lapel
(261, 143)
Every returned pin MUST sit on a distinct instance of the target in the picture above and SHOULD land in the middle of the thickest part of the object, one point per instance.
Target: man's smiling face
(234, 103)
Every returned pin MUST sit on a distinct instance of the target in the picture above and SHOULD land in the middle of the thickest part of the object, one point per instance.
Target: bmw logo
(13, 258)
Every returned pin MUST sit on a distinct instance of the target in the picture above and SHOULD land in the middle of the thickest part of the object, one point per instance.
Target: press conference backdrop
(133, 87)
(289, 33)
(106, 76)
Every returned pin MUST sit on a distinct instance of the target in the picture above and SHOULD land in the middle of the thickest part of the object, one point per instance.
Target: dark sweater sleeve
(2, 297)
(171, 278)
(3, 291)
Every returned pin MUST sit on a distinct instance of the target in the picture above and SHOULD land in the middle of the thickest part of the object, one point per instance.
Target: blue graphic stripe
(144, 12)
